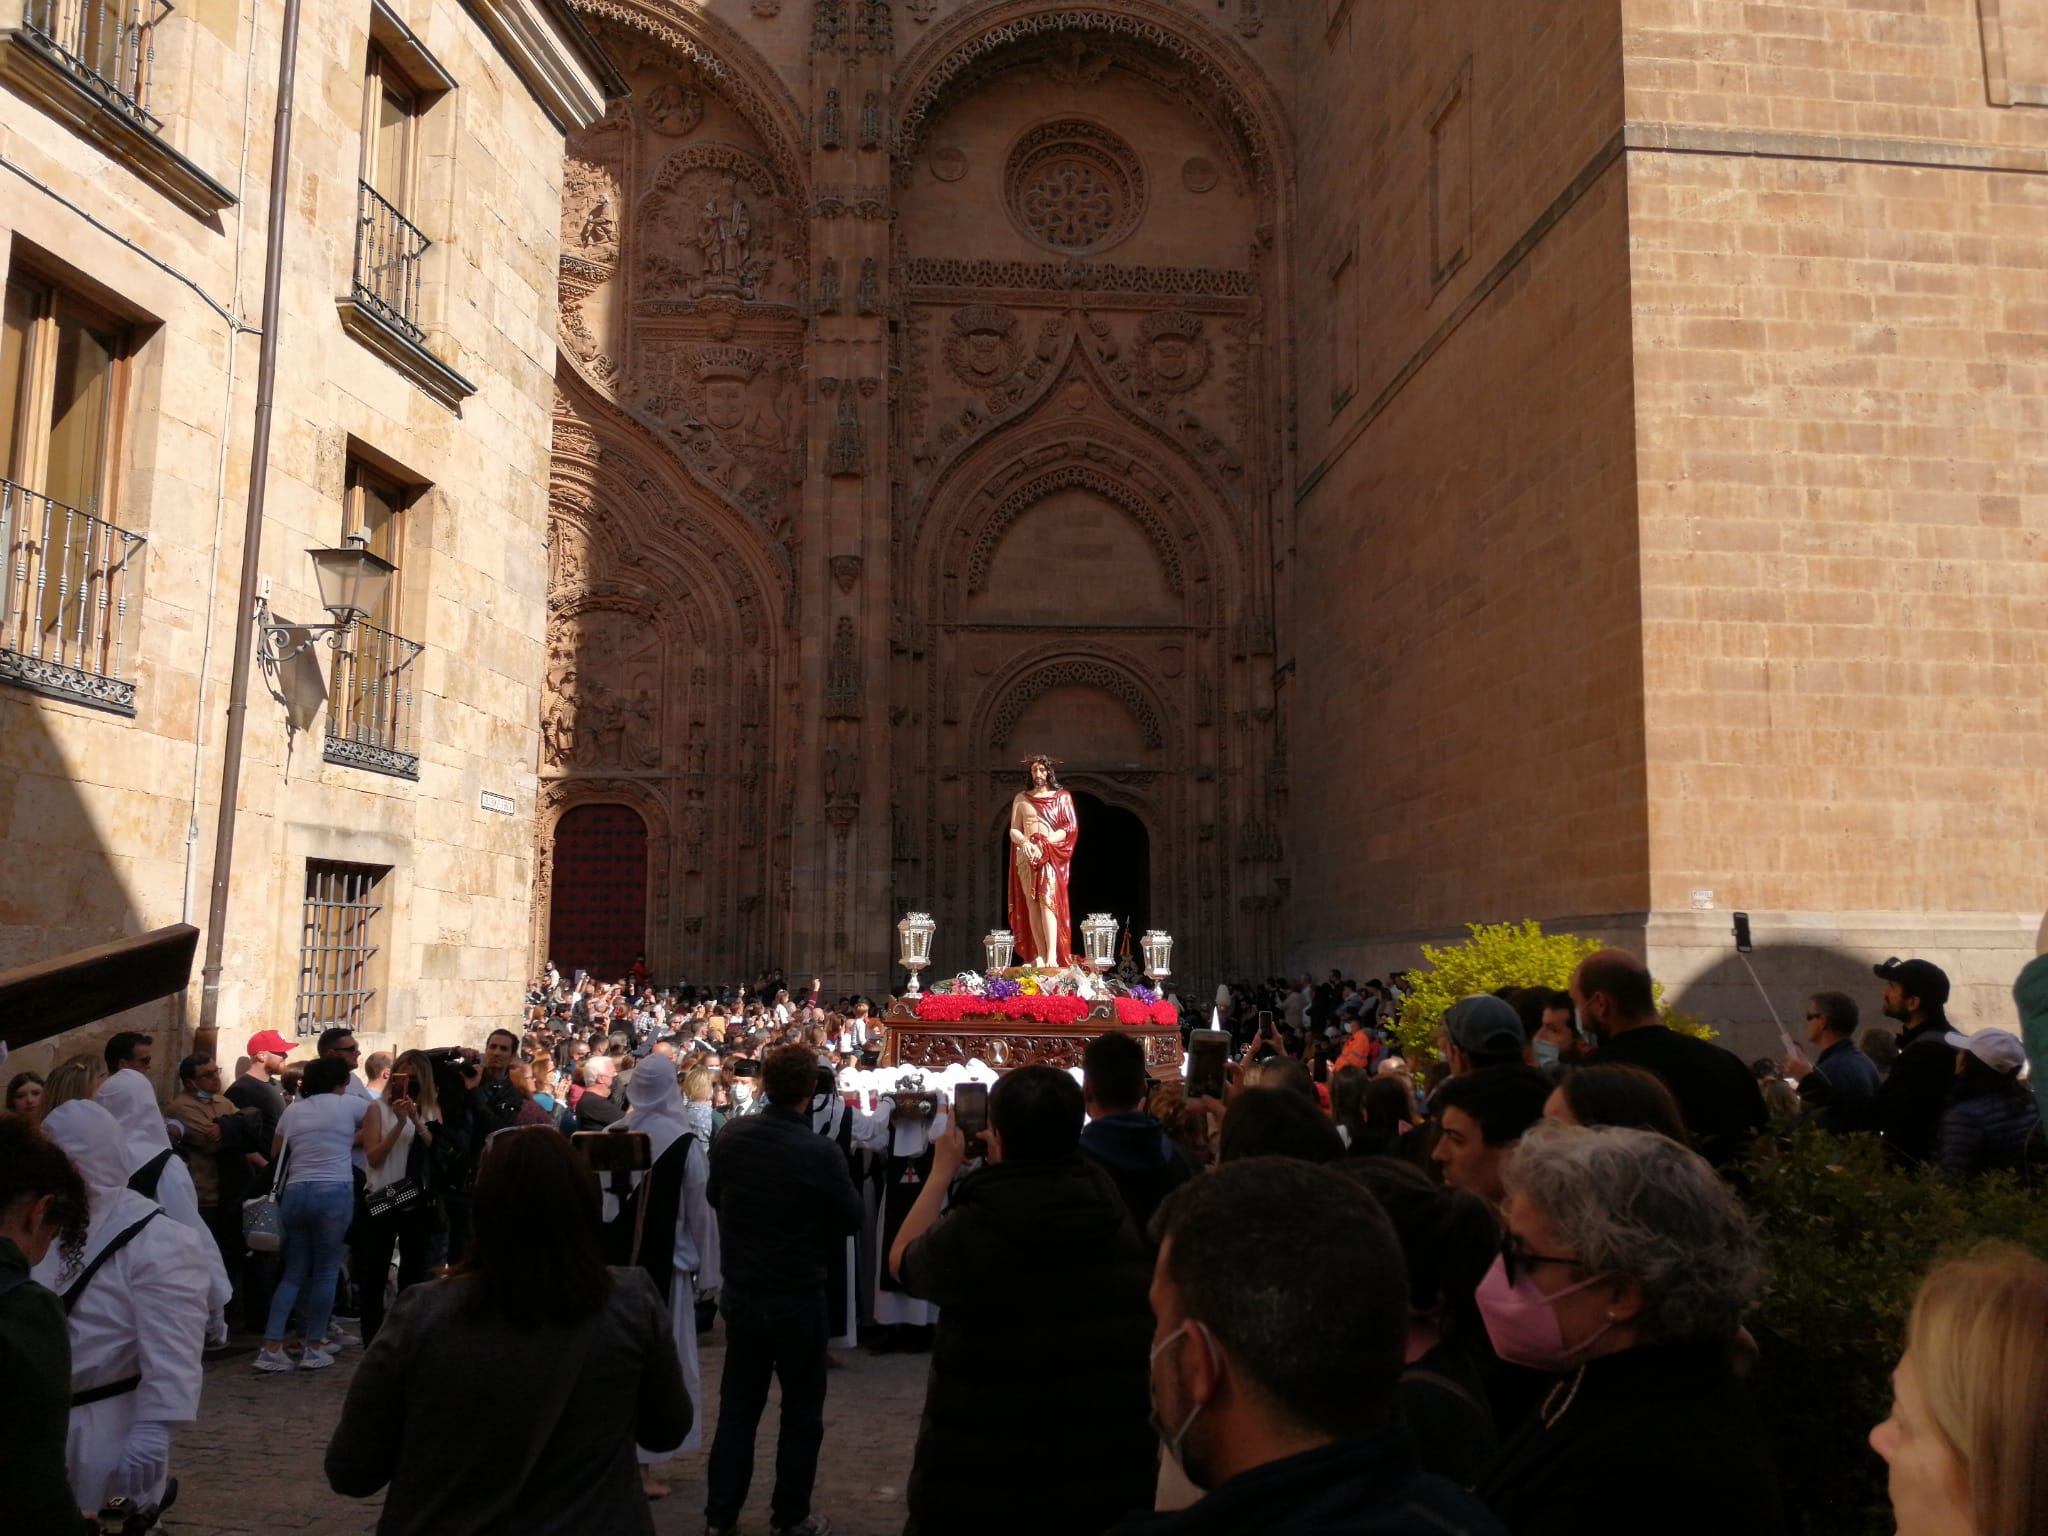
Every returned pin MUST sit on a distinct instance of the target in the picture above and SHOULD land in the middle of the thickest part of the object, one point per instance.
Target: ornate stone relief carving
(845, 571)
(1077, 673)
(1172, 355)
(877, 28)
(1049, 277)
(858, 202)
(713, 225)
(921, 11)
(736, 411)
(871, 120)
(867, 299)
(828, 25)
(1074, 186)
(828, 286)
(842, 774)
(846, 453)
(983, 348)
(1124, 491)
(1071, 61)
(673, 108)
(1199, 174)
(601, 701)
(831, 120)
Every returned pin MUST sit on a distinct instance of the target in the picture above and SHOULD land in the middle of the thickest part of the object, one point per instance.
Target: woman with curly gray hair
(1624, 1271)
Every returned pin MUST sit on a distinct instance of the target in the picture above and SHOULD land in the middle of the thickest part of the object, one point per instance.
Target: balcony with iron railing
(65, 614)
(107, 45)
(371, 705)
(382, 308)
(90, 64)
(389, 249)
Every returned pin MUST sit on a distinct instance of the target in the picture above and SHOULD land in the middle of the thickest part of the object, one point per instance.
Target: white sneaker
(315, 1359)
(273, 1360)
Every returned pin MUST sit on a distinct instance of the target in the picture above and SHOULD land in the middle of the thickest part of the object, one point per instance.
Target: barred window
(341, 939)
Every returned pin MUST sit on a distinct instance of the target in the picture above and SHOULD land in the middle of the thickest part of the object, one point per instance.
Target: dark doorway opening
(1112, 869)
(597, 909)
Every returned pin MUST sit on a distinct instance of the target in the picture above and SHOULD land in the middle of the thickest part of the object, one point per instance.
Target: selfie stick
(1783, 1038)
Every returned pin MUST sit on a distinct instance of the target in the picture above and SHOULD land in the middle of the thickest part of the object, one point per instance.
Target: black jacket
(1041, 1357)
(1907, 1109)
(35, 1408)
(1368, 1486)
(1142, 1161)
(1717, 1094)
(784, 1199)
(1659, 1438)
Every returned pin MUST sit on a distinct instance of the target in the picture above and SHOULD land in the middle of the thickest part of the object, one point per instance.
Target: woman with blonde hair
(1967, 1439)
(78, 1078)
(398, 1141)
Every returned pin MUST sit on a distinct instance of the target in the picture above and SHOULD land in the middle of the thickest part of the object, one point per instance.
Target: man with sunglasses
(1839, 1083)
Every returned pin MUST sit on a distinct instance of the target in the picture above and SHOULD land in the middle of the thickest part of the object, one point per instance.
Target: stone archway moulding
(1112, 675)
(1072, 477)
(731, 65)
(932, 66)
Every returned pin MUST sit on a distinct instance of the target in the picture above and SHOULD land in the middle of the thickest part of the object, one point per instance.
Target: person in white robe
(659, 1110)
(902, 1144)
(131, 1100)
(138, 1325)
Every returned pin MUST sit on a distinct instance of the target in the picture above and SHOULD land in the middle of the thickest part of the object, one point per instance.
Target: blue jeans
(316, 1218)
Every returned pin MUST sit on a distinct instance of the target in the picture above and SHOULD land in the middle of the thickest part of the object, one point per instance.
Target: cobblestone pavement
(252, 1463)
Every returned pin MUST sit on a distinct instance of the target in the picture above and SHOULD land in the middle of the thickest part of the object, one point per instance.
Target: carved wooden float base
(908, 1041)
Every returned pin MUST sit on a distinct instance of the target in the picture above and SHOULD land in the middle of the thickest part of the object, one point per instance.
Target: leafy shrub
(1498, 955)
(1850, 1238)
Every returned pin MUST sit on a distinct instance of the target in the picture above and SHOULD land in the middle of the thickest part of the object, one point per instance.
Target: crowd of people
(1504, 1292)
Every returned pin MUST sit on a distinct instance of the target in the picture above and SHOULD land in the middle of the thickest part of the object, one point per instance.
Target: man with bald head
(1719, 1096)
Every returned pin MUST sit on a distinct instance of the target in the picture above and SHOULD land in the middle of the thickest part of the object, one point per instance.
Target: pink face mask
(1522, 1321)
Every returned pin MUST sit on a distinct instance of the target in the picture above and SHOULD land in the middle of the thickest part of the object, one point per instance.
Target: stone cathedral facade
(923, 401)
(1415, 463)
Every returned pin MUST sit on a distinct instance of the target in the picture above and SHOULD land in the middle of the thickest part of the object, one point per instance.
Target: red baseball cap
(270, 1040)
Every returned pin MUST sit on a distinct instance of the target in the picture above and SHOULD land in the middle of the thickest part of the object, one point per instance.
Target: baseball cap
(1998, 1049)
(1916, 978)
(1484, 1025)
(270, 1040)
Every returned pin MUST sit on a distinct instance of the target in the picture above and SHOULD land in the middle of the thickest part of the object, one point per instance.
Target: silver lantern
(1098, 941)
(1158, 947)
(1000, 946)
(914, 945)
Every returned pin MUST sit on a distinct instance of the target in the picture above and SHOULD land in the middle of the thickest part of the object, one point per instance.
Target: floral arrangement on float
(1042, 995)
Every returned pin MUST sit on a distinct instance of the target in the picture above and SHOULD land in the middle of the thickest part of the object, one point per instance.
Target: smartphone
(1742, 944)
(1208, 1057)
(970, 1105)
(1265, 1021)
(398, 1088)
(614, 1151)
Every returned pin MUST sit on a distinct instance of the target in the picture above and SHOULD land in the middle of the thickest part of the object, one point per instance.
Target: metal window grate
(338, 943)
(370, 710)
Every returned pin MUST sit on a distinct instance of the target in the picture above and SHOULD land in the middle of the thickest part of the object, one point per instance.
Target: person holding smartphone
(398, 1135)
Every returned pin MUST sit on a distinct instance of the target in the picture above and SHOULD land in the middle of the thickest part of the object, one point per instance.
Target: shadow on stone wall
(1725, 997)
(63, 888)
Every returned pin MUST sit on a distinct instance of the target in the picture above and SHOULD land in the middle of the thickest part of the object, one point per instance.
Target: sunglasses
(1516, 1262)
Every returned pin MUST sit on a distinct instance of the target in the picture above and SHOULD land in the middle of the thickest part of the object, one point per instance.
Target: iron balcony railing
(64, 612)
(370, 708)
(388, 260)
(108, 45)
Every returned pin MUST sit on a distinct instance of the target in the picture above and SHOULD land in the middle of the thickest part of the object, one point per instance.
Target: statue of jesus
(1043, 829)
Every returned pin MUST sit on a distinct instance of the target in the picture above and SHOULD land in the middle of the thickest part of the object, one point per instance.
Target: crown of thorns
(1039, 757)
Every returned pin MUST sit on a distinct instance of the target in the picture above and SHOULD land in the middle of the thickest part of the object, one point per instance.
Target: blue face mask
(1172, 1440)
(1547, 1054)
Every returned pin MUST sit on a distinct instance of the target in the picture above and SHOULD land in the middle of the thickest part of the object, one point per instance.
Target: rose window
(1074, 187)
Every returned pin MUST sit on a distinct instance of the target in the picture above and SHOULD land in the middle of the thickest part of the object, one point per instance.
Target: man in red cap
(256, 1089)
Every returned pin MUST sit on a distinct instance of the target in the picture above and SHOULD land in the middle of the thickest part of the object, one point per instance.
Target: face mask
(1523, 1325)
(204, 1095)
(1173, 1439)
(1546, 1055)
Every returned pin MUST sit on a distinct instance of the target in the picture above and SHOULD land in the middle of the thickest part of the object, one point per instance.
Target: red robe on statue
(1043, 884)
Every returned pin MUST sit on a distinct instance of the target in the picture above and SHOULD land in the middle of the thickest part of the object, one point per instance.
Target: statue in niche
(558, 719)
(643, 733)
(600, 228)
(842, 775)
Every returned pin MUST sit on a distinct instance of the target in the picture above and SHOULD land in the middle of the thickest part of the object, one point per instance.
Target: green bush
(1850, 1238)
(1498, 955)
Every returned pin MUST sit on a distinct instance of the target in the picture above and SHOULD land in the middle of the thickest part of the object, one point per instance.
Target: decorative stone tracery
(1074, 186)
(1111, 680)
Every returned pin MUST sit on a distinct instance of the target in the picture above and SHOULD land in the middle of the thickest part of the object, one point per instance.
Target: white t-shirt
(319, 1133)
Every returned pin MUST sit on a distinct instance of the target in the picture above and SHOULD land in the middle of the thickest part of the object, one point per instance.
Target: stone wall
(109, 821)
